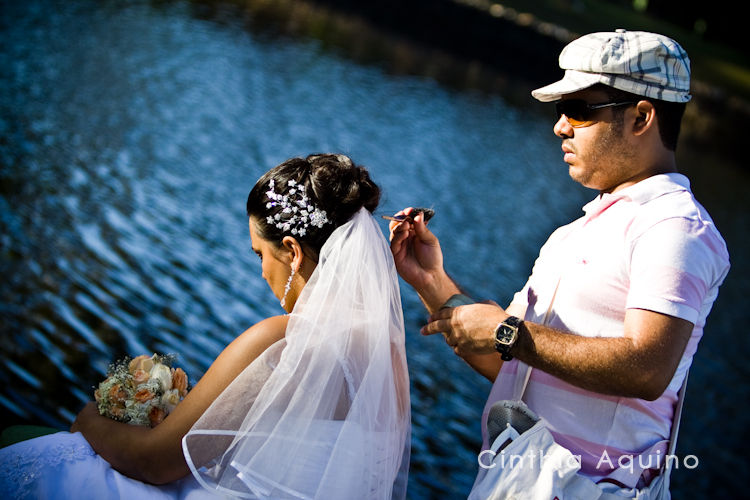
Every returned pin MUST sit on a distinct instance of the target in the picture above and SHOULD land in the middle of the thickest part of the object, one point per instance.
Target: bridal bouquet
(141, 391)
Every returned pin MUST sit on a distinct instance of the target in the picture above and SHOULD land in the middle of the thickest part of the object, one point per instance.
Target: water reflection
(130, 134)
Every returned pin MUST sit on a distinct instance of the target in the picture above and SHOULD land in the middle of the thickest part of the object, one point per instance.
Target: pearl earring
(287, 287)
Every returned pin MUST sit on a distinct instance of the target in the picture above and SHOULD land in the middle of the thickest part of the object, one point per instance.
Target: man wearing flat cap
(599, 341)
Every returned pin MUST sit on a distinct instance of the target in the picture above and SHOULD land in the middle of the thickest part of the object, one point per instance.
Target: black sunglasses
(579, 112)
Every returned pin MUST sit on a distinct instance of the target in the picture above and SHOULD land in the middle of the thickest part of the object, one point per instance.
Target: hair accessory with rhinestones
(297, 212)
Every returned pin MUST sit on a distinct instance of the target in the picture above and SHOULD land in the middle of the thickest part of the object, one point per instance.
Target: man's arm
(419, 260)
(640, 364)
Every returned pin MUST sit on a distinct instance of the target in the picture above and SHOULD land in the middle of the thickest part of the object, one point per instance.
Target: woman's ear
(645, 117)
(296, 254)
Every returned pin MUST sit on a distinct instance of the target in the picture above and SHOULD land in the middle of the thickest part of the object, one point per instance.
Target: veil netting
(330, 416)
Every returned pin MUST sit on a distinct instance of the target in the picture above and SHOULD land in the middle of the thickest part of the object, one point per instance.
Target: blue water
(130, 135)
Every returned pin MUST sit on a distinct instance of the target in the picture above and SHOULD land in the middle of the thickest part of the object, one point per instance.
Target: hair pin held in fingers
(428, 214)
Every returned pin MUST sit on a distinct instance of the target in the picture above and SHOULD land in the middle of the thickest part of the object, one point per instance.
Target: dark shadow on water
(464, 46)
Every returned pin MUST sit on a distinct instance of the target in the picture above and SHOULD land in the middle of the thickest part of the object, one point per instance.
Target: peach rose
(140, 376)
(117, 394)
(98, 395)
(180, 381)
(156, 416)
(143, 395)
(143, 362)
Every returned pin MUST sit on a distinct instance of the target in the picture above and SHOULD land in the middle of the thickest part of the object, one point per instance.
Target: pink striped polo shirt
(650, 246)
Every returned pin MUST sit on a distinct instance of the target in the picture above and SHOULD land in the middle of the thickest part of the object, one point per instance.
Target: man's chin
(576, 174)
(581, 177)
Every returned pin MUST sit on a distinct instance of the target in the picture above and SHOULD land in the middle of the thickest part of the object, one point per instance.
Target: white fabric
(533, 467)
(650, 246)
(63, 466)
(333, 419)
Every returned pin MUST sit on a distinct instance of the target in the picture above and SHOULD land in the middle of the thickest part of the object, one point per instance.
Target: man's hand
(416, 250)
(419, 259)
(469, 329)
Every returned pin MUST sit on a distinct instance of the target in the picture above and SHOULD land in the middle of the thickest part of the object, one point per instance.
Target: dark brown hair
(332, 182)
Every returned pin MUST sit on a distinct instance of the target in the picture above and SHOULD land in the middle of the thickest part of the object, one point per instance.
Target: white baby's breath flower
(137, 413)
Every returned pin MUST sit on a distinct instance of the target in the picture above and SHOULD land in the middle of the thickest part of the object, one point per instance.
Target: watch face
(505, 335)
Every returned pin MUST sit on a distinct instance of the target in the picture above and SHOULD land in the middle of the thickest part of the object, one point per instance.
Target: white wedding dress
(63, 466)
(323, 414)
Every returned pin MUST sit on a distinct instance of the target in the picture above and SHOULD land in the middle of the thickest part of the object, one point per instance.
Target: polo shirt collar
(640, 192)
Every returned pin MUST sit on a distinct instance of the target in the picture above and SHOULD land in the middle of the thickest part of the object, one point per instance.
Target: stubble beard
(607, 162)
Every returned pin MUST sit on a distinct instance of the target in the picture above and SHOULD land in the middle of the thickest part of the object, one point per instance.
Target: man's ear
(645, 117)
(295, 252)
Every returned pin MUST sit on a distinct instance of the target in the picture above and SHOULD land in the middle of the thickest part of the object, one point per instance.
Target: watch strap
(513, 321)
(458, 299)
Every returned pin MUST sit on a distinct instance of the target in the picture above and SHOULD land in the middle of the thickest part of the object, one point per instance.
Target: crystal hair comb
(297, 212)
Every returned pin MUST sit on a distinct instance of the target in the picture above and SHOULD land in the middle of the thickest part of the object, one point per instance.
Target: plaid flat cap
(639, 62)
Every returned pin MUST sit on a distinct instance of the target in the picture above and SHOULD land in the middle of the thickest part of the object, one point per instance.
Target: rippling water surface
(130, 135)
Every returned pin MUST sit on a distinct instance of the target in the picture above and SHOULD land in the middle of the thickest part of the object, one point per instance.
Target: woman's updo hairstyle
(334, 187)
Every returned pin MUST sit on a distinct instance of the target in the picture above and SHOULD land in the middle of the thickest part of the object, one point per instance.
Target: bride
(312, 404)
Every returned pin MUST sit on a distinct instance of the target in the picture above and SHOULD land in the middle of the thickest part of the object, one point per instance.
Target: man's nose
(563, 128)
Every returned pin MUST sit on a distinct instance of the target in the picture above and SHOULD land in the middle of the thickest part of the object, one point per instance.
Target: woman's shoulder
(238, 355)
(256, 339)
(272, 327)
(279, 321)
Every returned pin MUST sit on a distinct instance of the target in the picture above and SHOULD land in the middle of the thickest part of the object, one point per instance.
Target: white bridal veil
(325, 412)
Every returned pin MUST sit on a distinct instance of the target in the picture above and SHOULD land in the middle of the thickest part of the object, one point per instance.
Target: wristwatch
(506, 335)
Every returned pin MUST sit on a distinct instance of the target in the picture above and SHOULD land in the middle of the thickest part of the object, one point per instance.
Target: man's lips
(568, 153)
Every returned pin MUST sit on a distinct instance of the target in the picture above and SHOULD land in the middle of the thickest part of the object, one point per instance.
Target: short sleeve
(675, 265)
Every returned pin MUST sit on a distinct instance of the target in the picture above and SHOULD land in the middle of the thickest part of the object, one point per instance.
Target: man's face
(599, 155)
